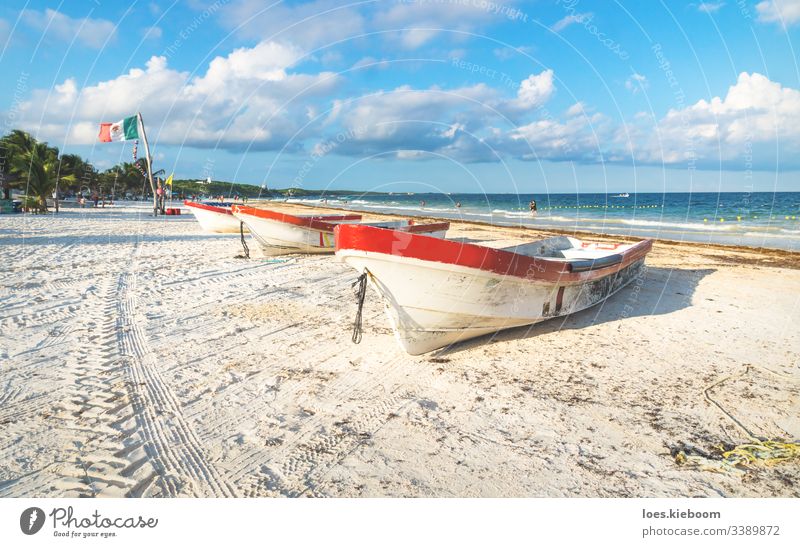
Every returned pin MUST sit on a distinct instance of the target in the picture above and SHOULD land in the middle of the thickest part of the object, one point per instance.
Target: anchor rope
(244, 243)
(361, 293)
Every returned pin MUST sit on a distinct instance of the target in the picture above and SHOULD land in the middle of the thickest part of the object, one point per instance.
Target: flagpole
(149, 166)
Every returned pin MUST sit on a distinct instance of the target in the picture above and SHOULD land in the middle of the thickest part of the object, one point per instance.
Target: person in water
(458, 204)
(532, 205)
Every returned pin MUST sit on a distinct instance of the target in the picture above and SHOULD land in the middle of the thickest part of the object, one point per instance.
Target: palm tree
(40, 166)
(11, 146)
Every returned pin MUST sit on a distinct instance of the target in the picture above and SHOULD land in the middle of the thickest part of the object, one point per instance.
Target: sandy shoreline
(141, 358)
(771, 256)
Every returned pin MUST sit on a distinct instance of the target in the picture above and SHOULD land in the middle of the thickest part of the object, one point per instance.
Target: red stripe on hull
(222, 210)
(323, 223)
(398, 243)
(424, 228)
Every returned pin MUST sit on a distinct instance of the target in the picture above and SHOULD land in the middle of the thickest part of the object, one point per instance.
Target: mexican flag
(123, 130)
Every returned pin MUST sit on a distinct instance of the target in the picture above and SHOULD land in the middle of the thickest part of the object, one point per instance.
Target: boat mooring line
(244, 243)
(361, 293)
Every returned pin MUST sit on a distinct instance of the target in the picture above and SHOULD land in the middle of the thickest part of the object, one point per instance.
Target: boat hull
(218, 220)
(275, 237)
(282, 233)
(433, 305)
(438, 292)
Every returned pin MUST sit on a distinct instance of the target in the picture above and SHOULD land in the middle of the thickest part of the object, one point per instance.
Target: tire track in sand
(172, 446)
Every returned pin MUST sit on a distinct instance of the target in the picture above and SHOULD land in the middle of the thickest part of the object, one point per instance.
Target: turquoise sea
(758, 219)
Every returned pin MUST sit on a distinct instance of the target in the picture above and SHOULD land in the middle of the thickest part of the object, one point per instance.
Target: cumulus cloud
(247, 97)
(783, 12)
(419, 22)
(533, 92)
(757, 119)
(92, 33)
(409, 24)
(536, 89)
(756, 115)
(411, 123)
(406, 119)
(308, 25)
(577, 138)
(256, 97)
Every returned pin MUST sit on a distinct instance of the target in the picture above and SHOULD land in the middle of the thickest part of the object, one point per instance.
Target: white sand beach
(140, 357)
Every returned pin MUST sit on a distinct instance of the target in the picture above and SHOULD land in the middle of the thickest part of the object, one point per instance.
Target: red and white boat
(279, 233)
(216, 218)
(438, 292)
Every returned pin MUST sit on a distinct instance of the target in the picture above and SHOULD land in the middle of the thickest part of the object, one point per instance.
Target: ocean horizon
(752, 219)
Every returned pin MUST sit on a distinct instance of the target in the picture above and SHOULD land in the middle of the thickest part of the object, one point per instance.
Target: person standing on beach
(160, 194)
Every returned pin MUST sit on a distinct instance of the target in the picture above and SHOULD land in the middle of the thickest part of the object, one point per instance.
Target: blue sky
(436, 95)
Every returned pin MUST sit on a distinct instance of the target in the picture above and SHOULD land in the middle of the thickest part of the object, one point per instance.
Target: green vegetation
(193, 187)
(39, 169)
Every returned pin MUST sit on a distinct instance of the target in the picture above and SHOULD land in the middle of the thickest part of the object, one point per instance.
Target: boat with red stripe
(214, 217)
(439, 292)
(279, 232)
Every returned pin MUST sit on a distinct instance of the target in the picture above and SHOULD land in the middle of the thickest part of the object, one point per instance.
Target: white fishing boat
(216, 218)
(438, 292)
(281, 233)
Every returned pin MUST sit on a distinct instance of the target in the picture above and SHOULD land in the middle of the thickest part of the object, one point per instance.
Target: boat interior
(581, 255)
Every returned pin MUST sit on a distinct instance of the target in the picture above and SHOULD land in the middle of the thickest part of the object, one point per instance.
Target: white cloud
(419, 22)
(783, 12)
(250, 95)
(636, 82)
(578, 109)
(93, 33)
(756, 115)
(266, 61)
(757, 118)
(409, 119)
(412, 24)
(256, 96)
(534, 91)
(710, 7)
(455, 122)
(572, 19)
(309, 24)
(153, 33)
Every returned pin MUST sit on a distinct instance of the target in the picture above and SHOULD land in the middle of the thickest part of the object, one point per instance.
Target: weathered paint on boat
(279, 233)
(439, 292)
(214, 218)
